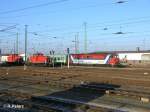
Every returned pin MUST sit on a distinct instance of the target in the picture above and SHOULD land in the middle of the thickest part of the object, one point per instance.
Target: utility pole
(53, 52)
(85, 37)
(0, 47)
(144, 44)
(68, 56)
(14, 48)
(77, 39)
(17, 51)
(26, 31)
(76, 43)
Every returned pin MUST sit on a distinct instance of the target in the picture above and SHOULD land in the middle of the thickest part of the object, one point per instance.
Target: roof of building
(142, 51)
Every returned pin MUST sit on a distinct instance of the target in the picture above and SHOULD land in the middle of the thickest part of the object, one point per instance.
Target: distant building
(132, 57)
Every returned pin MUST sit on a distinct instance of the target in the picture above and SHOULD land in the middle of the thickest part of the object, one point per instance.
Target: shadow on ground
(77, 97)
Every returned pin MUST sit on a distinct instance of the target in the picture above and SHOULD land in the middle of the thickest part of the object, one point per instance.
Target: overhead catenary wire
(90, 28)
(103, 24)
(8, 28)
(116, 38)
(49, 12)
(93, 28)
(33, 6)
(48, 4)
(72, 9)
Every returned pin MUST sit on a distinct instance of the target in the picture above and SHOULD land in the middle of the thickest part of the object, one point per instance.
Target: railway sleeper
(39, 104)
(142, 97)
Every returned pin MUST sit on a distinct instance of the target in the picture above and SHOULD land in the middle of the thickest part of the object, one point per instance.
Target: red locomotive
(11, 59)
(114, 60)
(94, 59)
(39, 59)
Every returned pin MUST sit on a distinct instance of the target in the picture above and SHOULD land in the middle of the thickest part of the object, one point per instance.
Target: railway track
(46, 104)
(103, 88)
(66, 83)
(118, 76)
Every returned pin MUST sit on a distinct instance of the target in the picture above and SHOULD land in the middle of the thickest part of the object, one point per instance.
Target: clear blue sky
(63, 20)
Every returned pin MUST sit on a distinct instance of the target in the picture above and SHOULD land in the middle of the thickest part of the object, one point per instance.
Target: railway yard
(78, 89)
(74, 56)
